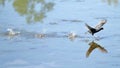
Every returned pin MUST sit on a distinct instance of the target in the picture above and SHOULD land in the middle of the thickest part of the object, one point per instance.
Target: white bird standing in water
(11, 32)
(72, 35)
(97, 28)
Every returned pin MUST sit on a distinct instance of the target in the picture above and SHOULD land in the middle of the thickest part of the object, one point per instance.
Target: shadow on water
(93, 46)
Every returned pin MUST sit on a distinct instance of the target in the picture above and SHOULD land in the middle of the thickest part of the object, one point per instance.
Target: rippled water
(52, 34)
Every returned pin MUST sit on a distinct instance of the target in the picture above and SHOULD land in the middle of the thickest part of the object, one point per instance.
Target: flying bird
(97, 28)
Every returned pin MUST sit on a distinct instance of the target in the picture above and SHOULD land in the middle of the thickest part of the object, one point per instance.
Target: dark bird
(97, 28)
(93, 46)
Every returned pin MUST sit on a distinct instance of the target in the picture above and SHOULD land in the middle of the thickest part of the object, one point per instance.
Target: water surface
(45, 26)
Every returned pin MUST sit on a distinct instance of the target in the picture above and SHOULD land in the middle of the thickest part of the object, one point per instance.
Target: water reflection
(2, 2)
(33, 10)
(40, 35)
(65, 20)
(93, 46)
(111, 2)
(18, 34)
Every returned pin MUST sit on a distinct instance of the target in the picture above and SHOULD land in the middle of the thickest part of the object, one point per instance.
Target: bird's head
(102, 28)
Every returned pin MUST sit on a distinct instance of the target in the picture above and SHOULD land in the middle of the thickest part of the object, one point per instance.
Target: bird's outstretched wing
(89, 27)
(100, 24)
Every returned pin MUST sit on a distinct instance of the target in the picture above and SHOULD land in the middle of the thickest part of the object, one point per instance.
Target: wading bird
(11, 32)
(97, 28)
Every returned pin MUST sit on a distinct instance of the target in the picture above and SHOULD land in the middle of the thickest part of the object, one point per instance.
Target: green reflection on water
(111, 2)
(2, 2)
(33, 10)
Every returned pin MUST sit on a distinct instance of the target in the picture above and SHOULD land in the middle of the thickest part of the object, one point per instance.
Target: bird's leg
(95, 37)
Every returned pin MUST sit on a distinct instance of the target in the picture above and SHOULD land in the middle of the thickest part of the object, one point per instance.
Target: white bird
(11, 32)
(71, 35)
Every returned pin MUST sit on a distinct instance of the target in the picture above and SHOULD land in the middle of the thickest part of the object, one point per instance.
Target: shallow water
(45, 39)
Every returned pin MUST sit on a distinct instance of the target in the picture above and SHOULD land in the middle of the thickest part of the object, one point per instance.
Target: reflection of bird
(11, 32)
(97, 28)
(93, 46)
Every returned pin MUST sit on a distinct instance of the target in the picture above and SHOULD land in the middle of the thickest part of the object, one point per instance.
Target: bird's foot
(97, 38)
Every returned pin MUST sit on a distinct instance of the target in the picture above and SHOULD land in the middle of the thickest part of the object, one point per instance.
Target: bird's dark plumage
(96, 28)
